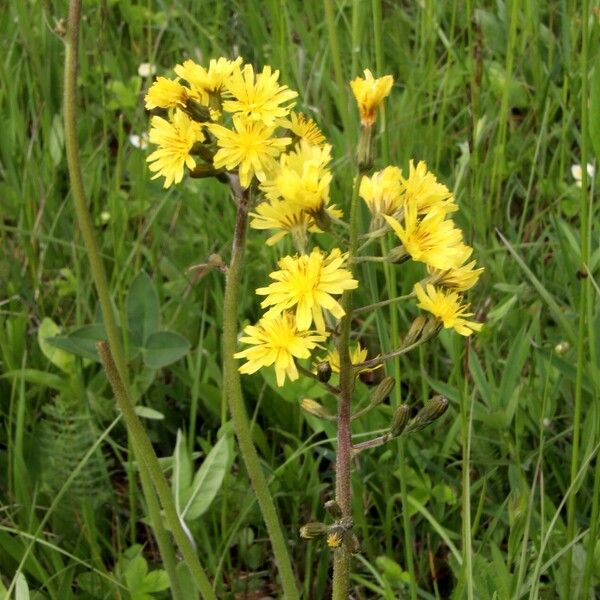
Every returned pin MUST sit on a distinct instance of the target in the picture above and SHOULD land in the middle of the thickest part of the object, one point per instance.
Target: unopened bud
(197, 111)
(313, 531)
(315, 409)
(382, 391)
(415, 331)
(372, 377)
(353, 543)
(432, 410)
(333, 508)
(399, 420)
(324, 371)
(397, 255)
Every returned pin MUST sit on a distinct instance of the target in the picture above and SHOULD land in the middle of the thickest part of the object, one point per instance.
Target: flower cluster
(226, 120)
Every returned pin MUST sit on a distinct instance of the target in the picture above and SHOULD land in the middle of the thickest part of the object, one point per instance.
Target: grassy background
(490, 95)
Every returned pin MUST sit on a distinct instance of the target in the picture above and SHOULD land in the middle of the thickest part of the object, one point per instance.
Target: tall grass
(501, 498)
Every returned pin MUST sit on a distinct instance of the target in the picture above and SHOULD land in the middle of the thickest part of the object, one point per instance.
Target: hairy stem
(343, 475)
(84, 220)
(233, 391)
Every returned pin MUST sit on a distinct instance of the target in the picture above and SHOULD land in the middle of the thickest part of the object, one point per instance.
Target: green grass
(490, 95)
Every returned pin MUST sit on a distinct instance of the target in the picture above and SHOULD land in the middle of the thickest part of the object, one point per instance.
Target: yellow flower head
(285, 217)
(174, 139)
(358, 355)
(301, 177)
(424, 190)
(166, 93)
(259, 98)
(207, 81)
(383, 191)
(460, 279)
(334, 539)
(433, 240)
(309, 283)
(369, 93)
(446, 306)
(251, 146)
(276, 341)
(303, 128)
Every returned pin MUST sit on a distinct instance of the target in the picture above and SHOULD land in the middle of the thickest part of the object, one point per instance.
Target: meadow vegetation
(500, 498)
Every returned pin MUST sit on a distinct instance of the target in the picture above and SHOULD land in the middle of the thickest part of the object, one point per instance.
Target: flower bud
(315, 409)
(313, 531)
(432, 410)
(333, 508)
(431, 328)
(415, 331)
(335, 536)
(397, 255)
(399, 420)
(382, 391)
(324, 371)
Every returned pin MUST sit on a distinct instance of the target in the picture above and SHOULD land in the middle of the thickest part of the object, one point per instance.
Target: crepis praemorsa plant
(229, 122)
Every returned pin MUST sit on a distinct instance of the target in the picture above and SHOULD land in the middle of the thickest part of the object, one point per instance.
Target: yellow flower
(259, 98)
(276, 341)
(369, 93)
(383, 191)
(301, 177)
(460, 279)
(251, 146)
(309, 283)
(446, 306)
(423, 189)
(285, 217)
(304, 128)
(174, 139)
(334, 539)
(204, 82)
(358, 355)
(166, 93)
(433, 240)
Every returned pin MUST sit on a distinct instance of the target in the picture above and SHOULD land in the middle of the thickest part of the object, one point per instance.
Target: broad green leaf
(143, 309)
(163, 348)
(156, 581)
(81, 342)
(136, 572)
(21, 587)
(65, 361)
(208, 480)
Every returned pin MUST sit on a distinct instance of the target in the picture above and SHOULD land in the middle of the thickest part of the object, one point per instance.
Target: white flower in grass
(139, 141)
(146, 70)
(577, 173)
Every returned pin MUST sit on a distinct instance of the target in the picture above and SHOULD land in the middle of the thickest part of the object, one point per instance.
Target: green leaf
(156, 581)
(40, 378)
(143, 309)
(148, 413)
(81, 342)
(56, 140)
(65, 361)
(208, 480)
(182, 471)
(136, 573)
(163, 348)
(595, 112)
(21, 587)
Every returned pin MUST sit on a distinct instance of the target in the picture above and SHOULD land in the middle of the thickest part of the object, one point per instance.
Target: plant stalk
(343, 466)
(84, 220)
(233, 391)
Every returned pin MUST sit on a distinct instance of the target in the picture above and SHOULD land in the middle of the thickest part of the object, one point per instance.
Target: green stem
(343, 471)
(143, 449)
(233, 391)
(99, 275)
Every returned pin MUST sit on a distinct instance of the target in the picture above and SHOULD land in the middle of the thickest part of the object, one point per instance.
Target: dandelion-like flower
(259, 97)
(424, 190)
(175, 140)
(447, 307)
(369, 93)
(309, 283)
(460, 279)
(301, 177)
(251, 146)
(382, 192)
(166, 93)
(303, 128)
(277, 341)
(207, 81)
(358, 355)
(433, 240)
(285, 217)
